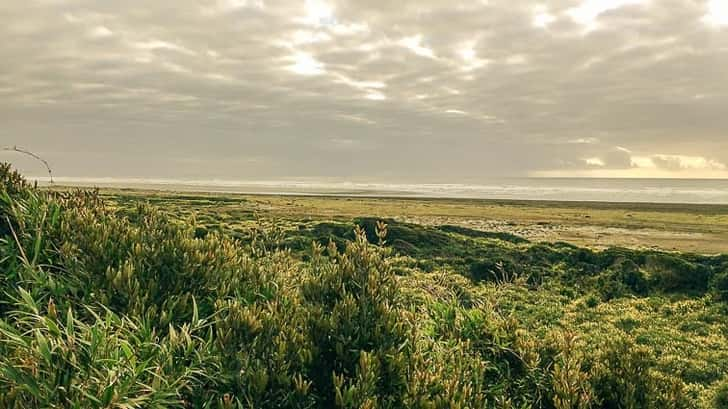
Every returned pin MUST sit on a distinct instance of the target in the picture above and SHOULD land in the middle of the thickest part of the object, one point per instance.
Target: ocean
(703, 191)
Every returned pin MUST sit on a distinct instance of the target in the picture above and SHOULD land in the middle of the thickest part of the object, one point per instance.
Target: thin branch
(31, 154)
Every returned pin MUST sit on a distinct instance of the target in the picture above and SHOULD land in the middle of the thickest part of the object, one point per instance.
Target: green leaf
(108, 395)
(127, 350)
(195, 312)
(22, 380)
(55, 215)
(38, 243)
(28, 300)
(70, 329)
(52, 327)
(43, 346)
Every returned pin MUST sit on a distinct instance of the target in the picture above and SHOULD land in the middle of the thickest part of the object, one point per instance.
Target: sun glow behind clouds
(100, 32)
(470, 58)
(646, 166)
(375, 96)
(717, 13)
(414, 44)
(305, 64)
(318, 13)
(587, 13)
(542, 18)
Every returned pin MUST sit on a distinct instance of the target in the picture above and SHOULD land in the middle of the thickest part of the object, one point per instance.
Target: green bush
(52, 359)
(672, 274)
(720, 401)
(623, 377)
(719, 286)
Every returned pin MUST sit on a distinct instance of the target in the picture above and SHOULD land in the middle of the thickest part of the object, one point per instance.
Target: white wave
(613, 190)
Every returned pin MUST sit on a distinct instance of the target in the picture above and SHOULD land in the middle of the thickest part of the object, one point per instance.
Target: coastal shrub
(11, 181)
(623, 376)
(719, 286)
(671, 274)
(358, 333)
(622, 278)
(499, 271)
(613, 273)
(50, 358)
(630, 274)
(720, 400)
(571, 384)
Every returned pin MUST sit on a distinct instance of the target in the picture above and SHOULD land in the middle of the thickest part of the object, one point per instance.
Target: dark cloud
(415, 90)
(618, 159)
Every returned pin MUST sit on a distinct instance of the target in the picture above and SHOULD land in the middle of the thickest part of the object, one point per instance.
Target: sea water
(713, 191)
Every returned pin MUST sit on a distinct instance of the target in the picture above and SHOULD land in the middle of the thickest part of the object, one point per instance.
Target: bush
(358, 334)
(720, 401)
(719, 286)
(52, 359)
(11, 181)
(672, 274)
(629, 274)
(623, 377)
(572, 387)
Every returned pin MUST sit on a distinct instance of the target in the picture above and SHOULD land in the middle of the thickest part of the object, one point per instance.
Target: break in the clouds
(415, 90)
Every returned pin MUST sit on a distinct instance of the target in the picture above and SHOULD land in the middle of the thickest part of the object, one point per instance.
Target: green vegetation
(117, 302)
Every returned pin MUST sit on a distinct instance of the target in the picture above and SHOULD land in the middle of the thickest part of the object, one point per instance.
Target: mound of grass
(463, 231)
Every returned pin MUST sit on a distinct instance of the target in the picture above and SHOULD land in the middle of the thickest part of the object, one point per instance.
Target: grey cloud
(669, 163)
(618, 159)
(156, 85)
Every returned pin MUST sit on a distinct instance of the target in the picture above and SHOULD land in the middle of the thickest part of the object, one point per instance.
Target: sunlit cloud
(344, 29)
(153, 45)
(588, 11)
(375, 96)
(362, 85)
(516, 59)
(594, 162)
(683, 162)
(589, 140)
(469, 56)
(318, 13)
(236, 4)
(717, 13)
(414, 44)
(310, 37)
(305, 64)
(542, 18)
(100, 32)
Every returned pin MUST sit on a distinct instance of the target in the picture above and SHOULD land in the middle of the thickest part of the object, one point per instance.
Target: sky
(406, 91)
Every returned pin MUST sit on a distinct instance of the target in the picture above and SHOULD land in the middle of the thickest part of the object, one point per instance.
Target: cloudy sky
(410, 90)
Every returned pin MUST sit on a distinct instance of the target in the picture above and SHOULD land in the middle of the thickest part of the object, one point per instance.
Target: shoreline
(668, 206)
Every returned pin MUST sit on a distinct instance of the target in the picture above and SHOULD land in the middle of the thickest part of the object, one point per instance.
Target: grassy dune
(148, 300)
(678, 227)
